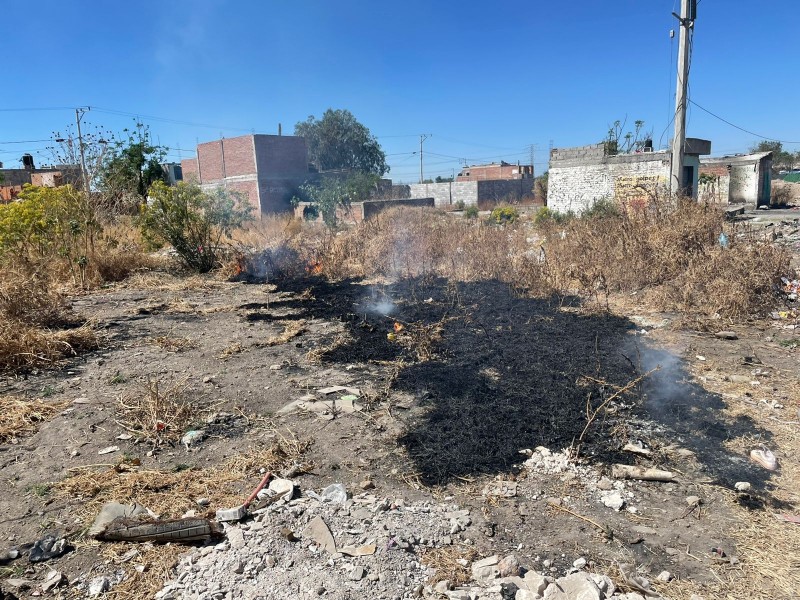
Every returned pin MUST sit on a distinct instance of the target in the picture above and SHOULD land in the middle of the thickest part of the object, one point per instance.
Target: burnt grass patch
(510, 372)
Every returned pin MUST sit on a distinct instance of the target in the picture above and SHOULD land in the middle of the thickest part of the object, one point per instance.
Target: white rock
(578, 586)
(236, 538)
(613, 499)
(580, 563)
(665, 576)
(742, 486)
(99, 585)
(536, 583)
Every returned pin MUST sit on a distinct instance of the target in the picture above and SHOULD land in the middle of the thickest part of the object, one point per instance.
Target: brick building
(265, 169)
(493, 171)
(12, 180)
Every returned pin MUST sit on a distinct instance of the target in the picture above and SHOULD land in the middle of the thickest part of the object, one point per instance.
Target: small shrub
(601, 209)
(544, 215)
(504, 214)
(471, 212)
(460, 205)
(192, 221)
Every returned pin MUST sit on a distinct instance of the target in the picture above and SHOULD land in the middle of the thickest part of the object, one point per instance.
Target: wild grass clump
(19, 416)
(159, 413)
(37, 327)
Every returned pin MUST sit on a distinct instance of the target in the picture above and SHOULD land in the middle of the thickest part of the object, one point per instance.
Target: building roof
(736, 158)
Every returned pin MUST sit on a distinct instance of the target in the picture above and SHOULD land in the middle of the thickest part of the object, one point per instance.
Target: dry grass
(19, 416)
(667, 254)
(24, 346)
(445, 563)
(159, 413)
(158, 560)
(171, 493)
(174, 344)
(291, 329)
(228, 351)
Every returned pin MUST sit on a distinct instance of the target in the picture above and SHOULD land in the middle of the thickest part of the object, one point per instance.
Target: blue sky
(485, 80)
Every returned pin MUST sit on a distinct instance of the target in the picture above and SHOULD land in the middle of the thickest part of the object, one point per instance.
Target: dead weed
(446, 564)
(20, 416)
(159, 413)
(172, 493)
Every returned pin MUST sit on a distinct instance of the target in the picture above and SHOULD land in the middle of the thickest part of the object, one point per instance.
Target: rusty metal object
(174, 530)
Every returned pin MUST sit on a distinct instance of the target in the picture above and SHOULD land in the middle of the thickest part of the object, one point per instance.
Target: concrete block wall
(448, 194)
(373, 207)
(576, 182)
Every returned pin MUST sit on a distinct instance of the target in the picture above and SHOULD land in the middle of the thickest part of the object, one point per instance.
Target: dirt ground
(454, 381)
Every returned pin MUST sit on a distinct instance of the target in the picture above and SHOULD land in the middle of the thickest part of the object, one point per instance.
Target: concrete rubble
(367, 547)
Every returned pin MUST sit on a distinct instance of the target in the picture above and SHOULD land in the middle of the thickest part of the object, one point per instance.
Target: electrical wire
(763, 137)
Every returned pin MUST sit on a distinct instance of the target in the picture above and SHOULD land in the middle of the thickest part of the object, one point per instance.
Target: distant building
(266, 169)
(579, 177)
(12, 180)
(493, 171)
(172, 172)
(739, 179)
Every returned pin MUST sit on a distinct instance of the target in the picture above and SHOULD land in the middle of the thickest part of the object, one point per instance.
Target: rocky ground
(456, 433)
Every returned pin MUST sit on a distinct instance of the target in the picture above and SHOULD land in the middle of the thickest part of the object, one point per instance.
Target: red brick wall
(189, 168)
(239, 158)
(248, 191)
(209, 157)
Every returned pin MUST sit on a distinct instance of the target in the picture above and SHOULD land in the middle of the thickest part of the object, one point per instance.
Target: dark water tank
(27, 162)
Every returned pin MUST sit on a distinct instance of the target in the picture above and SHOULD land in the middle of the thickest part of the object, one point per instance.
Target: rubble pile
(363, 547)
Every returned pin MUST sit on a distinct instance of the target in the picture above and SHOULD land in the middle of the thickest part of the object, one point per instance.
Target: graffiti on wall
(636, 191)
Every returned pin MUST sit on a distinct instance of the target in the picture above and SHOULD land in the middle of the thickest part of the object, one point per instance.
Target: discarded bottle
(723, 240)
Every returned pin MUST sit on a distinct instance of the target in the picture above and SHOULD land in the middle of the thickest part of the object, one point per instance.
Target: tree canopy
(131, 166)
(780, 157)
(339, 141)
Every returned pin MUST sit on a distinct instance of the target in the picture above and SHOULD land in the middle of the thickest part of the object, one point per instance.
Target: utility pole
(533, 158)
(422, 138)
(686, 19)
(78, 116)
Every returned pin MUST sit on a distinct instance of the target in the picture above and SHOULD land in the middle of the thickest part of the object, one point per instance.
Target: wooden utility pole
(686, 19)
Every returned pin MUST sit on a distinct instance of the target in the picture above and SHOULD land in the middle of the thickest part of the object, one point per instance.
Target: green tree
(132, 165)
(781, 159)
(339, 141)
(540, 186)
(192, 221)
(331, 192)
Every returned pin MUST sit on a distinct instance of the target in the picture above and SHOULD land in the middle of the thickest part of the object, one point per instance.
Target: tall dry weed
(668, 253)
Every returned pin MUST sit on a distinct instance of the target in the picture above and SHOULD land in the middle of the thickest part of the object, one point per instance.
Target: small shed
(737, 179)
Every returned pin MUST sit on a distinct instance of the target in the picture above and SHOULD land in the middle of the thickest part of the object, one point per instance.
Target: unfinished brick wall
(265, 168)
(189, 168)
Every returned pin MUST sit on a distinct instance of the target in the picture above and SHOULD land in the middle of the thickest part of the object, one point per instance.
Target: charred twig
(591, 414)
(604, 529)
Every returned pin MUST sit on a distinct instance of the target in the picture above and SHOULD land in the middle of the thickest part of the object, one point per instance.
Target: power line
(166, 120)
(763, 137)
(36, 109)
(26, 142)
